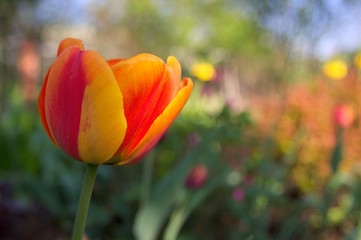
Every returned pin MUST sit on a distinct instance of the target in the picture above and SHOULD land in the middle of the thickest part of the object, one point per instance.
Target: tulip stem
(84, 200)
(178, 217)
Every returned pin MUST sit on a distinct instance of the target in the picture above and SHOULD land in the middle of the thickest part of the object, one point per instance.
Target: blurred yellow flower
(358, 60)
(335, 69)
(203, 71)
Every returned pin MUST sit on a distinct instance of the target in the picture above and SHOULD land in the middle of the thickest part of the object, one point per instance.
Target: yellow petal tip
(70, 42)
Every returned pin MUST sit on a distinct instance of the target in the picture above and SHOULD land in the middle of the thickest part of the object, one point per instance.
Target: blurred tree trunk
(3, 69)
(14, 27)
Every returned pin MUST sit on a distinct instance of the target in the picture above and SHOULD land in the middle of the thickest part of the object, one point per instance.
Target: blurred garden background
(268, 146)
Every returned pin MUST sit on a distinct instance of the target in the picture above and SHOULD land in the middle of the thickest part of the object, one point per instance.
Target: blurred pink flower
(219, 76)
(343, 115)
(238, 194)
(28, 64)
(207, 90)
(197, 177)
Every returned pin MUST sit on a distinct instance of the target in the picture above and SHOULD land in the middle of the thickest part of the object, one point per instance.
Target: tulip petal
(41, 107)
(70, 42)
(63, 99)
(79, 89)
(159, 126)
(102, 124)
(148, 85)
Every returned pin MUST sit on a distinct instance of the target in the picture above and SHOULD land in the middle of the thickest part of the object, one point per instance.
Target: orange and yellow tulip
(109, 112)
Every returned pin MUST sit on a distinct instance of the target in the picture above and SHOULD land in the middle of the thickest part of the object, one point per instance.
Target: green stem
(175, 225)
(177, 218)
(84, 200)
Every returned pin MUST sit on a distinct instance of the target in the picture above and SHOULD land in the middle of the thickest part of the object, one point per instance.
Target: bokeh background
(268, 146)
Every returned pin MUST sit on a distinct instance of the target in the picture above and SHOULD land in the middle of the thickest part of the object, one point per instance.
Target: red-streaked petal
(63, 99)
(83, 106)
(159, 126)
(70, 42)
(102, 123)
(147, 90)
(41, 107)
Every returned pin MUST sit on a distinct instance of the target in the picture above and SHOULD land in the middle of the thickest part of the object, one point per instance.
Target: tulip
(109, 112)
(197, 177)
(343, 115)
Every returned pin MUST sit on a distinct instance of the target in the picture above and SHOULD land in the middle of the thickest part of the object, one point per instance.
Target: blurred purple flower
(238, 194)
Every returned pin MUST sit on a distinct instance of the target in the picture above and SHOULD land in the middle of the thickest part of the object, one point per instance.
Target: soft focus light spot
(234, 178)
(203, 71)
(358, 60)
(335, 69)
